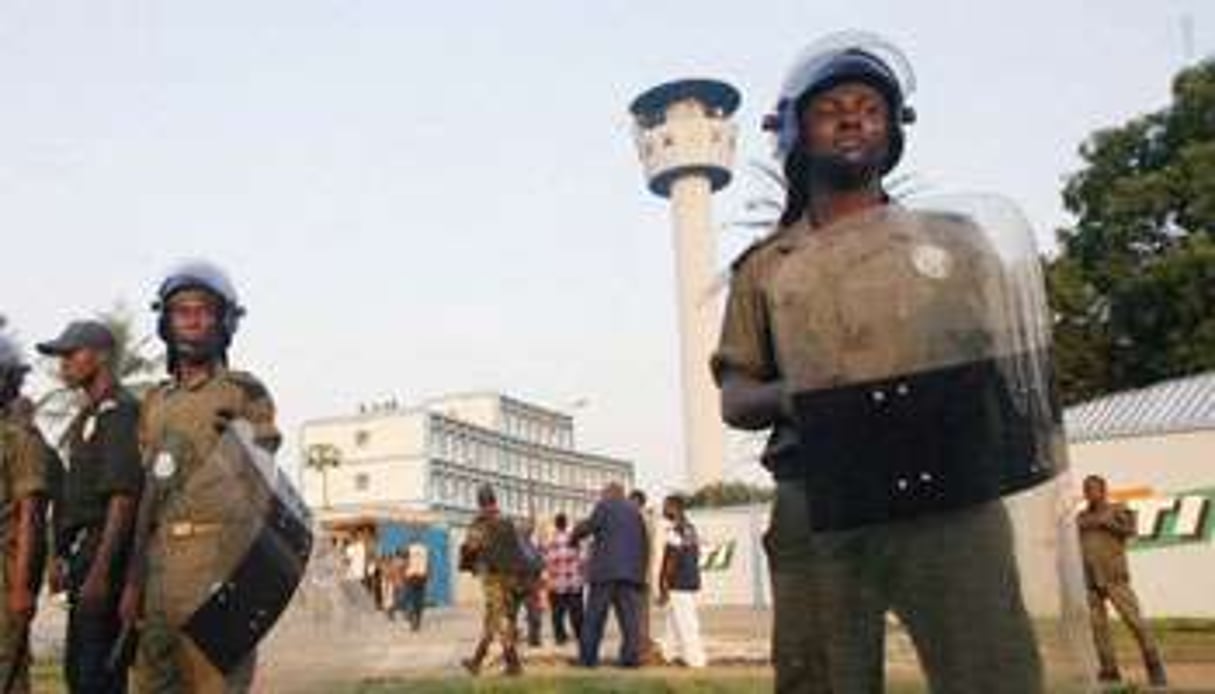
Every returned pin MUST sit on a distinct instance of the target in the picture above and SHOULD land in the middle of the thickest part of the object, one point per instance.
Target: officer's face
(193, 314)
(849, 123)
(80, 366)
(1094, 491)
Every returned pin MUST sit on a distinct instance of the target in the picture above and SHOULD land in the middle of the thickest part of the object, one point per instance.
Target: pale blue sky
(417, 198)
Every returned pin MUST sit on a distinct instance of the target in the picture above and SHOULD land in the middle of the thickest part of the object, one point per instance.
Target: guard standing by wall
(1105, 529)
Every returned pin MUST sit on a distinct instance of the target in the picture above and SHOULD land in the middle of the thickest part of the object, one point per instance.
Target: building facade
(429, 461)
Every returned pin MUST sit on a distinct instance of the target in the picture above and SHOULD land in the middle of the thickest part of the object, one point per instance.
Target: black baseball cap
(80, 334)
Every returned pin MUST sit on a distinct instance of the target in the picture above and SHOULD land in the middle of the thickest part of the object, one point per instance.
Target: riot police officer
(182, 528)
(23, 494)
(96, 515)
(904, 400)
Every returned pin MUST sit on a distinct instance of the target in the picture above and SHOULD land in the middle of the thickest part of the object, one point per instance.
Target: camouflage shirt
(23, 455)
(180, 425)
(494, 542)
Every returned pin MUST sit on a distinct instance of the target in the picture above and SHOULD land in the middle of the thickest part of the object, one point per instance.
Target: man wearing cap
(96, 516)
(851, 290)
(23, 493)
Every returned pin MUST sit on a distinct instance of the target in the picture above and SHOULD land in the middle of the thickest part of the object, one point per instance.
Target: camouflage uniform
(180, 426)
(1104, 532)
(493, 540)
(24, 473)
(844, 304)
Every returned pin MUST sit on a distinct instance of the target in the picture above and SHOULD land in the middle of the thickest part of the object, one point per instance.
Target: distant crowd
(620, 559)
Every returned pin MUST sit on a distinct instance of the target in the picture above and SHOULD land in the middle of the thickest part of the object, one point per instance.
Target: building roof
(1183, 404)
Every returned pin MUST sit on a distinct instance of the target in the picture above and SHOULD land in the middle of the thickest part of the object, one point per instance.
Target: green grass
(604, 683)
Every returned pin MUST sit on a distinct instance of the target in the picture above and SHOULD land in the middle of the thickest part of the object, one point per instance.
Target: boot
(513, 666)
(1155, 671)
(1108, 675)
(473, 664)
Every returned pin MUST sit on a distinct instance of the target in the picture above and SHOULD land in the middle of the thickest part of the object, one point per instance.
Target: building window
(362, 482)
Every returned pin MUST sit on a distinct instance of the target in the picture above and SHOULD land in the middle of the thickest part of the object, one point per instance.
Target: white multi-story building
(430, 460)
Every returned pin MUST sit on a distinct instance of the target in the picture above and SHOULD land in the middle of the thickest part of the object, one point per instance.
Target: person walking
(616, 574)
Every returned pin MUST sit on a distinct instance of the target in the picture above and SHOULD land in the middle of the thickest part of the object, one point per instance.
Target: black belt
(925, 442)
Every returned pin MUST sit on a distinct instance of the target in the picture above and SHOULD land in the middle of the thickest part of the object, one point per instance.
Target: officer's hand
(94, 594)
(130, 605)
(21, 603)
(663, 597)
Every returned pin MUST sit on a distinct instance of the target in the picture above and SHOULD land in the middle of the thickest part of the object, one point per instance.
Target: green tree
(1133, 288)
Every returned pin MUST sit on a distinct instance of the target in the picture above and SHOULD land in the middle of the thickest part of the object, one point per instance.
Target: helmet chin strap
(197, 352)
(842, 174)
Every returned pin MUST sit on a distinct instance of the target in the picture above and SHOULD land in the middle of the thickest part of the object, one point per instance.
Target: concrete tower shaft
(686, 143)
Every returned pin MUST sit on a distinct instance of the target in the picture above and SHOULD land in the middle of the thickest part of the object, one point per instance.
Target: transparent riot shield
(915, 345)
(230, 549)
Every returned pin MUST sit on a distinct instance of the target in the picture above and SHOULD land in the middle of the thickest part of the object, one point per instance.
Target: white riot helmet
(844, 57)
(210, 278)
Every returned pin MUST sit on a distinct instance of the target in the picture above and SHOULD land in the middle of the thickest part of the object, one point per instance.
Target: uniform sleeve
(144, 429)
(259, 411)
(745, 338)
(118, 439)
(28, 474)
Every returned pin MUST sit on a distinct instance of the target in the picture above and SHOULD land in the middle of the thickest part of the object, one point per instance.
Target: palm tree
(321, 457)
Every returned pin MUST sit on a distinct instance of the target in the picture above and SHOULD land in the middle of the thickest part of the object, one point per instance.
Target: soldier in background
(23, 532)
(178, 535)
(491, 550)
(1105, 529)
(97, 515)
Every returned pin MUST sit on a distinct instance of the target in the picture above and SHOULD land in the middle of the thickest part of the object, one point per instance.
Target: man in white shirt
(417, 570)
(678, 583)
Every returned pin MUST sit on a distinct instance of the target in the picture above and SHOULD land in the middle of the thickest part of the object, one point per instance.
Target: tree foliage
(1133, 288)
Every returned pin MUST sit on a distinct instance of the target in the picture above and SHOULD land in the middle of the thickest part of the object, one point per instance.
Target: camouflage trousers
(166, 659)
(502, 602)
(168, 662)
(951, 579)
(14, 654)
